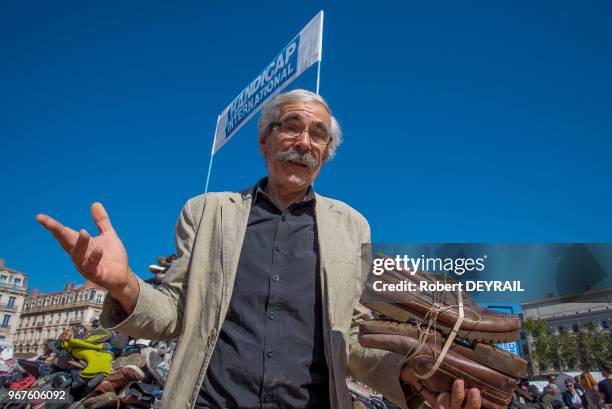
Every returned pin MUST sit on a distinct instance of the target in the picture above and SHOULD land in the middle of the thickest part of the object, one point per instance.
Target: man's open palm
(101, 259)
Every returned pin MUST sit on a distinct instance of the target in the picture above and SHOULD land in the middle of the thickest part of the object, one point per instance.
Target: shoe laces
(164, 364)
(120, 378)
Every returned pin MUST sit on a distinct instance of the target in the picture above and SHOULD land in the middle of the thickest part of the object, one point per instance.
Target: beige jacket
(196, 291)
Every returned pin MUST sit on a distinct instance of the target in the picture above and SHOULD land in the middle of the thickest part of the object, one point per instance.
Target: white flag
(300, 54)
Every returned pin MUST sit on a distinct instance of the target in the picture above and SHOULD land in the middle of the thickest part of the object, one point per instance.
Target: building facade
(13, 294)
(588, 311)
(45, 316)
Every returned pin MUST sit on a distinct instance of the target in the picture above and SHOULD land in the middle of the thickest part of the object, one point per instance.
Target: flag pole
(318, 75)
(212, 155)
(321, 56)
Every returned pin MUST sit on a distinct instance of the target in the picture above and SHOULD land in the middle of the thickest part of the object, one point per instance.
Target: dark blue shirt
(270, 351)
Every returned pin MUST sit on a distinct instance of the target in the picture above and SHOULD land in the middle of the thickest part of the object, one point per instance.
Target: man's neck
(284, 199)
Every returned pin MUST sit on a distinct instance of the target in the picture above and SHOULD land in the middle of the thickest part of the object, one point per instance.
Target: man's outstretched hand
(459, 398)
(101, 259)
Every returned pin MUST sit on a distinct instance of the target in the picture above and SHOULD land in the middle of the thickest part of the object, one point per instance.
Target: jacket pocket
(345, 290)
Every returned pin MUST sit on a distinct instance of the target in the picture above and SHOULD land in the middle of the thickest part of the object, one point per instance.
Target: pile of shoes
(159, 270)
(363, 397)
(442, 335)
(93, 368)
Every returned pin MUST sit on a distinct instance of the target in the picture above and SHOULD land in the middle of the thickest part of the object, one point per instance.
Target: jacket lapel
(326, 231)
(234, 218)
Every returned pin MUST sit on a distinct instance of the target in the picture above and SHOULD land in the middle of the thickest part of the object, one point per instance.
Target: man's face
(286, 171)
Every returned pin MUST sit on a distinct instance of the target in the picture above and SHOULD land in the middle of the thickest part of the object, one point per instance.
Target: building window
(17, 282)
(3, 279)
(576, 328)
(604, 324)
(6, 320)
(99, 299)
(11, 302)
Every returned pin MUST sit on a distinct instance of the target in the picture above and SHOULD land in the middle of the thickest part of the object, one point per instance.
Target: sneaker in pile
(95, 368)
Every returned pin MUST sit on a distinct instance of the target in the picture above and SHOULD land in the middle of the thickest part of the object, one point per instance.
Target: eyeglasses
(294, 129)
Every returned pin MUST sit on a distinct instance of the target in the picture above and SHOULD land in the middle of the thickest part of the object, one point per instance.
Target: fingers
(101, 218)
(454, 400)
(64, 235)
(85, 258)
(79, 251)
(443, 401)
(90, 266)
(408, 376)
(457, 395)
(430, 397)
(474, 400)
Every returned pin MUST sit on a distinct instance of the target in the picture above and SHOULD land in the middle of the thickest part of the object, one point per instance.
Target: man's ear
(261, 136)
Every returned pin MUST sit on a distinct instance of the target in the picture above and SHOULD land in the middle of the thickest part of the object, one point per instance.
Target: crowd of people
(564, 392)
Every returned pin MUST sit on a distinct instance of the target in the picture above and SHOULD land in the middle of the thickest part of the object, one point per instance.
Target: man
(552, 379)
(571, 397)
(605, 385)
(548, 400)
(264, 292)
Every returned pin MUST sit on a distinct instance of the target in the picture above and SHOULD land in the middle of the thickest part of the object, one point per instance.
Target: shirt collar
(260, 191)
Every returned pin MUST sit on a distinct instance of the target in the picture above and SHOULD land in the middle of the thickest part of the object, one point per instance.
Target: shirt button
(268, 397)
(275, 278)
(269, 354)
(283, 218)
(271, 315)
(277, 248)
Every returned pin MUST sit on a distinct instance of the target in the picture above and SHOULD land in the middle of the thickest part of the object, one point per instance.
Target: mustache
(292, 155)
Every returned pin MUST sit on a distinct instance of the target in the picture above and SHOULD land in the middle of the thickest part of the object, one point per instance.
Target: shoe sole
(400, 313)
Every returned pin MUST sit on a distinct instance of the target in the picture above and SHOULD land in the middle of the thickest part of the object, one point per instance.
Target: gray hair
(272, 110)
(551, 387)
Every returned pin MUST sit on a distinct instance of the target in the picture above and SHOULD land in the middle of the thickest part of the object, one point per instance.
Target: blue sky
(463, 121)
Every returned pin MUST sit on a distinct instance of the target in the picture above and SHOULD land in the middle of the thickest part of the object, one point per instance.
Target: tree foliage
(567, 351)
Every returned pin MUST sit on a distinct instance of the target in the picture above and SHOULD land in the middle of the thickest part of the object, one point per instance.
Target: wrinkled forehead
(310, 111)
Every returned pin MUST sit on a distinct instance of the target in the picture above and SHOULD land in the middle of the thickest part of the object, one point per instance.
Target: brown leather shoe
(493, 371)
(118, 379)
(480, 324)
(105, 400)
